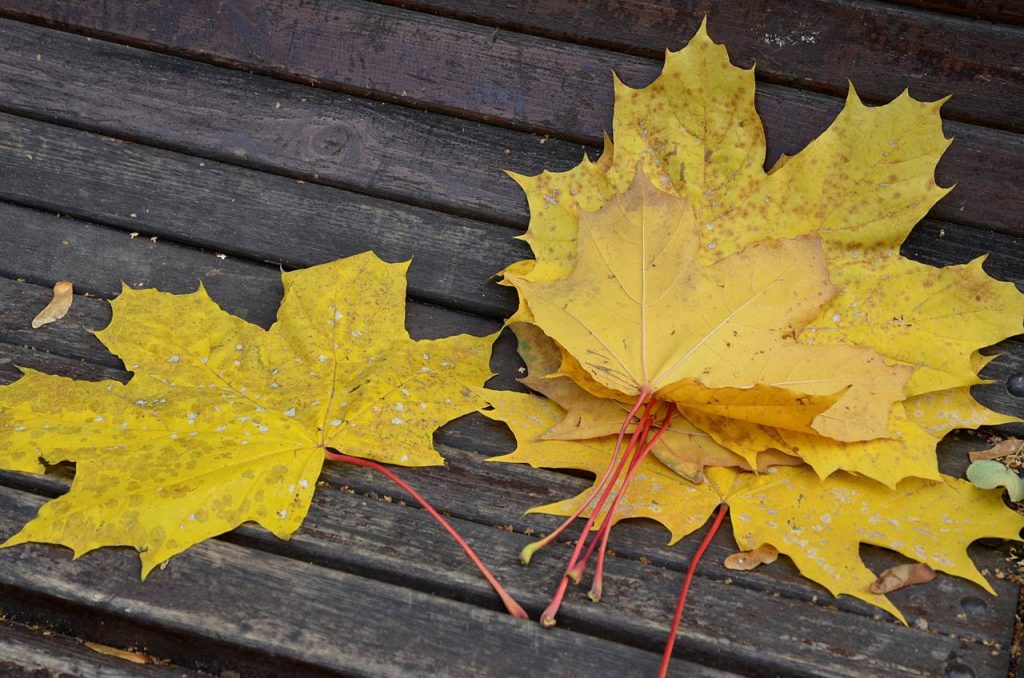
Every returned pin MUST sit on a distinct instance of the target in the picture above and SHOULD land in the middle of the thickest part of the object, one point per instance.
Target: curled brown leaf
(1003, 448)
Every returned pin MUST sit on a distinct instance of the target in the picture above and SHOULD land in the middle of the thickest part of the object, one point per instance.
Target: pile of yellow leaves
(808, 370)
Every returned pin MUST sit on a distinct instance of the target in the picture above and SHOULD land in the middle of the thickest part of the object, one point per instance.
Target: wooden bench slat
(250, 214)
(986, 164)
(221, 606)
(385, 541)
(813, 44)
(1009, 11)
(26, 653)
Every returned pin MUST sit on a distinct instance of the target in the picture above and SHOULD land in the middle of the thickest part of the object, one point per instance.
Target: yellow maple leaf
(685, 448)
(224, 422)
(818, 524)
(641, 315)
(860, 187)
(771, 310)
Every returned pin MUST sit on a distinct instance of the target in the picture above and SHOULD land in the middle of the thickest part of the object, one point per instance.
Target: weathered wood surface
(170, 135)
(40, 653)
(814, 44)
(1009, 11)
(558, 88)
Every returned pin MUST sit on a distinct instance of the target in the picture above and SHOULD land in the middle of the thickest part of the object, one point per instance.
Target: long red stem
(575, 569)
(527, 552)
(635, 453)
(547, 618)
(606, 528)
(514, 608)
(666, 657)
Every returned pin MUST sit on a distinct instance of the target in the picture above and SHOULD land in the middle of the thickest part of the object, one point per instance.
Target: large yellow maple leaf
(819, 525)
(859, 187)
(224, 422)
(641, 314)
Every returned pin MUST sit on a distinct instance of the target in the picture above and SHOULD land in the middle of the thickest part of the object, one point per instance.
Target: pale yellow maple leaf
(685, 448)
(224, 422)
(818, 524)
(640, 314)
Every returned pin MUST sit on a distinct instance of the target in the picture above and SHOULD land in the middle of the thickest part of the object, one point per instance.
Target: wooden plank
(433, 159)
(13, 358)
(307, 133)
(40, 653)
(813, 44)
(251, 214)
(43, 248)
(223, 607)
(1009, 11)
(387, 541)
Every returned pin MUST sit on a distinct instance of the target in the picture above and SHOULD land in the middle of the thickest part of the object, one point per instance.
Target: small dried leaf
(1004, 448)
(748, 560)
(899, 576)
(63, 293)
(133, 657)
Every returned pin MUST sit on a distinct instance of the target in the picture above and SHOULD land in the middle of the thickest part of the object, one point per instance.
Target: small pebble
(1015, 385)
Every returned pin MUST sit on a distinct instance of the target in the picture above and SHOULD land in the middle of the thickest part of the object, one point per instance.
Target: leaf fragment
(1004, 448)
(764, 554)
(900, 576)
(989, 474)
(60, 303)
(125, 655)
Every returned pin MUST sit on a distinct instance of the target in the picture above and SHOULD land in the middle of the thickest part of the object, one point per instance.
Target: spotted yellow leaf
(819, 524)
(641, 315)
(224, 422)
(859, 187)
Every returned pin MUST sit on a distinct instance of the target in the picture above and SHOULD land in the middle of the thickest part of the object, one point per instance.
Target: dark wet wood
(1009, 11)
(813, 44)
(162, 130)
(558, 88)
(41, 653)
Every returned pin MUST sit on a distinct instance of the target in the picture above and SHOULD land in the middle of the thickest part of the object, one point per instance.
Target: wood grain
(812, 44)
(225, 603)
(40, 653)
(560, 88)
